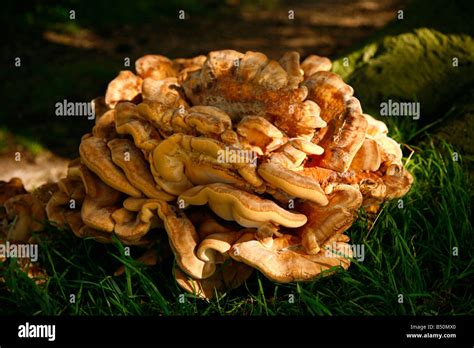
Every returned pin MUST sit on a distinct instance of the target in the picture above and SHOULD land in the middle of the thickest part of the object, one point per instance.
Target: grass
(408, 251)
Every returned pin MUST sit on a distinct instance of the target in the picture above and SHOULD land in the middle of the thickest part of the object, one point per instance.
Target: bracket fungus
(244, 162)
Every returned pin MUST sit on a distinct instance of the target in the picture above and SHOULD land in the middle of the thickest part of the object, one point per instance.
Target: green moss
(31, 145)
(414, 66)
(412, 60)
(9, 141)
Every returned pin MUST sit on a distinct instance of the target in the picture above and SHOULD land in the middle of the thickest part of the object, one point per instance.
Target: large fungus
(247, 209)
(240, 161)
